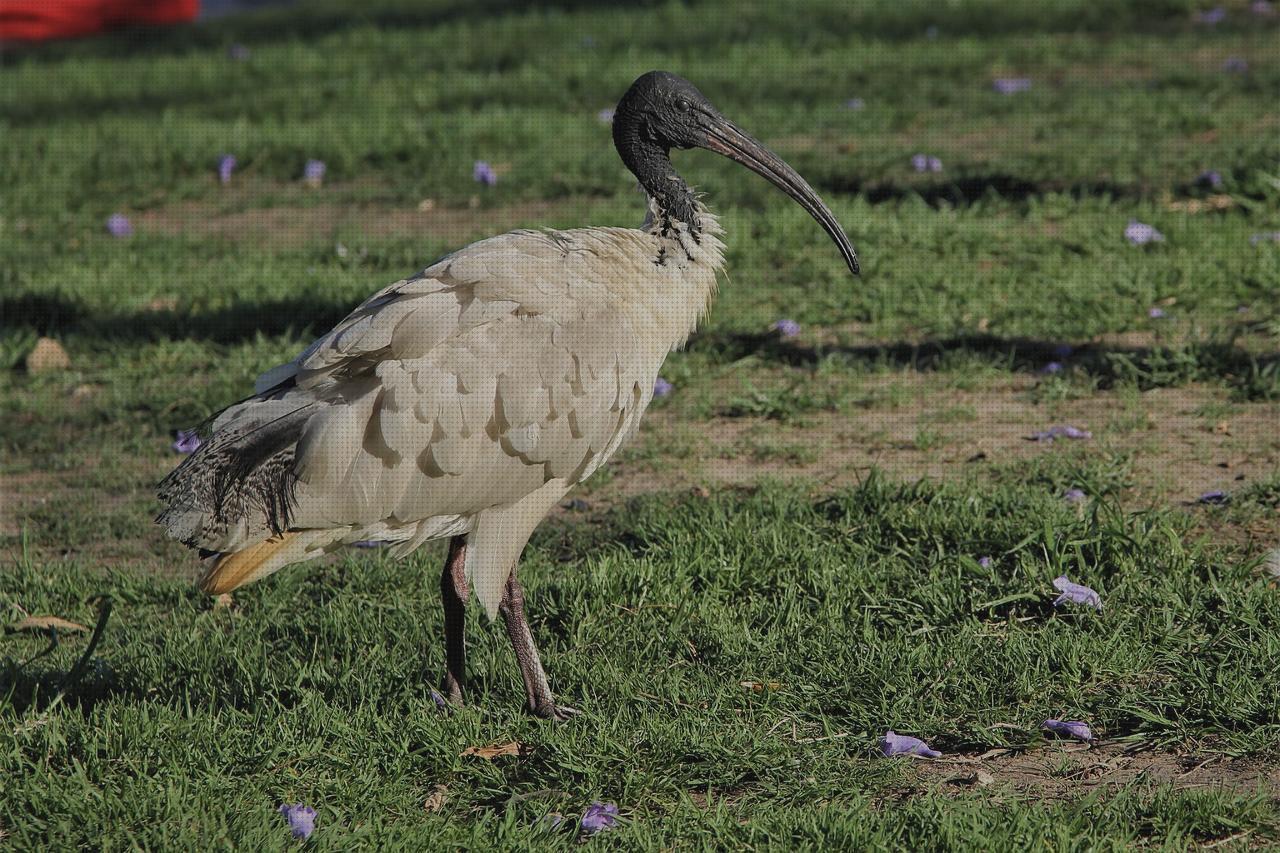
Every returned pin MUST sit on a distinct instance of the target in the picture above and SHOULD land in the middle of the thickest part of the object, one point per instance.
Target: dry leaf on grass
(45, 623)
(488, 753)
(48, 355)
(435, 802)
(761, 686)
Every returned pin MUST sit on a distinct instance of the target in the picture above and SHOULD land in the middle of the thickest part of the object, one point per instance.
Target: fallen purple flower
(1211, 178)
(896, 744)
(1073, 496)
(1264, 237)
(854, 104)
(118, 225)
(1235, 65)
(188, 441)
(1139, 233)
(925, 163)
(1075, 593)
(785, 327)
(1156, 313)
(1011, 85)
(985, 562)
(1052, 367)
(662, 387)
(1262, 8)
(1070, 728)
(302, 819)
(226, 165)
(441, 703)
(1213, 16)
(313, 172)
(238, 52)
(599, 816)
(482, 173)
(605, 115)
(1217, 496)
(1061, 431)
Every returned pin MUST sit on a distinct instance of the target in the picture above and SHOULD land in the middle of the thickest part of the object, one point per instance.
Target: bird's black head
(666, 110)
(662, 111)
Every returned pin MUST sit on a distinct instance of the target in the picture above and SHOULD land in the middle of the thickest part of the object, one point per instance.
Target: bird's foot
(552, 711)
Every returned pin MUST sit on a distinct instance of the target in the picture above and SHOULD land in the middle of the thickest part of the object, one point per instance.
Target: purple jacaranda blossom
(1075, 593)
(925, 163)
(1052, 367)
(1235, 65)
(896, 744)
(302, 819)
(662, 387)
(313, 172)
(599, 816)
(1062, 351)
(1140, 233)
(188, 441)
(482, 173)
(1210, 178)
(1073, 496)
(441, 703)
(1060, 431)
(1216, 496)
(238, 52)
(854, 104)
(1070, 728)
(605, 115)
(985, 562)
(226, 165)
(786, 327)
(118, 225)
(1156, 313)
(1262, 8)
(1011, 85)
(1213, 16)
(1264, 237)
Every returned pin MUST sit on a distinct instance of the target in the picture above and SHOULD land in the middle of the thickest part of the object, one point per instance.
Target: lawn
(815, 538)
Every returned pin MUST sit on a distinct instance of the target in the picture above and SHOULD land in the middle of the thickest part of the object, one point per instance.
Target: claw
(559, 713)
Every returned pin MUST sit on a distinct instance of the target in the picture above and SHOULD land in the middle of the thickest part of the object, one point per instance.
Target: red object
(40, 20)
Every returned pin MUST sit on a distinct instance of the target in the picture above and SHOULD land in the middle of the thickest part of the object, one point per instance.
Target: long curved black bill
(726, 139)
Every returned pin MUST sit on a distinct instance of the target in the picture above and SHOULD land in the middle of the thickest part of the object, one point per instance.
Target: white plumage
(467, 400)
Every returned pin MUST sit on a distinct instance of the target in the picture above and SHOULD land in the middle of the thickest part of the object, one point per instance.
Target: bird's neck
(681, 245)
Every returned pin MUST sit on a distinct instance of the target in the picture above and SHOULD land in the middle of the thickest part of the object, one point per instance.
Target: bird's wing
(466, 387)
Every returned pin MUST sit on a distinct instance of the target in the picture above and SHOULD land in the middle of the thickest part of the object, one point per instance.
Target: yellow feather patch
(234, 570)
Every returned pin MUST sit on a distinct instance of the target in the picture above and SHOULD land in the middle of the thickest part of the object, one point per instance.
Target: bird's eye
(683, 105)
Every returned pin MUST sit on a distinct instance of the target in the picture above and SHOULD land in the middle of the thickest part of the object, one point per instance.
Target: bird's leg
(536, 689)
(455, 592)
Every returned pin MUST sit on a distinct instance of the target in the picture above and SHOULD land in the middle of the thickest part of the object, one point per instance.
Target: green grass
(861, 595)
(868, 607)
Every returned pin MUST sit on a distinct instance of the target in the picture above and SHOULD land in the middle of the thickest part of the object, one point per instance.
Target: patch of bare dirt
(1183, 442)
(1071, 771)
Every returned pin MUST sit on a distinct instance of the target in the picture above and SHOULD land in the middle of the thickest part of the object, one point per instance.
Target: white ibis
(465, 401)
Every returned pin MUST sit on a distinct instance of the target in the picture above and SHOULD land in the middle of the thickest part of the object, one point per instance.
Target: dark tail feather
(242, 477)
